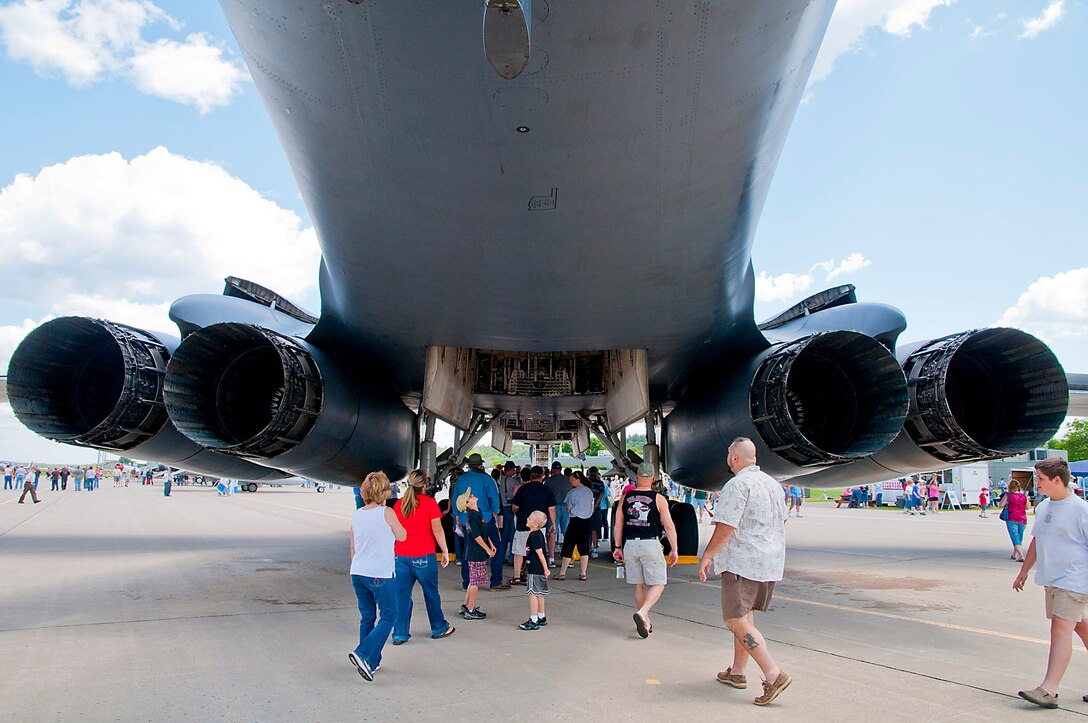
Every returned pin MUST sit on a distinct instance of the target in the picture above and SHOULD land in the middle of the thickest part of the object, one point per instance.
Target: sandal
(581, 577)
(560, 576)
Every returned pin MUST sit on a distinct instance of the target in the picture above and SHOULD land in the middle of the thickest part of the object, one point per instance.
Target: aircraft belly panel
(605, 198)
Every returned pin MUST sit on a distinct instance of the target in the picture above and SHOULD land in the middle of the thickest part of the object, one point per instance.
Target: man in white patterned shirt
(748, 551)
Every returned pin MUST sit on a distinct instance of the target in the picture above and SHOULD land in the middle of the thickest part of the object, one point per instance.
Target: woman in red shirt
(415, 559)
(1015, 514)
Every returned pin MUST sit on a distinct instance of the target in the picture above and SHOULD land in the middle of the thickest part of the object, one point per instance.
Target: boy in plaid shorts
(478, 550)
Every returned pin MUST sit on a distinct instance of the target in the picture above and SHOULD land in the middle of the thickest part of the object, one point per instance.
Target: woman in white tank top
(374, 529)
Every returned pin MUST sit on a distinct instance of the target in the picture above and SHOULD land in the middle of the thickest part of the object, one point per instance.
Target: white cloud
(980, 32)
(853, 19)
(11, 335)
(1049, 18)
(86, 40)
(121, 239)
(1054, 308)
(789, 285)
(783, 286)
(853, 262)
(193, 73)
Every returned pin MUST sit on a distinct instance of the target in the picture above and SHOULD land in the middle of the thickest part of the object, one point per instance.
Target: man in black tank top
(642, 516)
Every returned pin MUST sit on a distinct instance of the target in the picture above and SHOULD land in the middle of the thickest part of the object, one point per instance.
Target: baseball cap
(646, 470)
(557, 465)
(509, 464)
(462, 500)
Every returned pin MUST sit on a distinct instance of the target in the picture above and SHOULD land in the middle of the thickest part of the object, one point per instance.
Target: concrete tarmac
(123, 605)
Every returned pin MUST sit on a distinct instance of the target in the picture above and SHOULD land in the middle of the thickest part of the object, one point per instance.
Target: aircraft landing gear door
(507, 26)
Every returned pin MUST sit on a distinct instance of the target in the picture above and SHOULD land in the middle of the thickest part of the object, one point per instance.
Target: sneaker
(594, 554)
(1040, 697)
(362, 666)
(474, 614)
(551, 562)
(458, 563)
(542, 622)
(463, 611)
(771, 690)
(528, 625)
(799, 514)
(737, 681)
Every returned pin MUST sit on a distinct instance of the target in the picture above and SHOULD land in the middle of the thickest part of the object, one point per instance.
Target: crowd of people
(515, 512)
(89, 477)
(528, 518)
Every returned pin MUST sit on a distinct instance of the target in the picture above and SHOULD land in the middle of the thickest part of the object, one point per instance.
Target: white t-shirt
(1061, 544)
(374, 540)
(752, 503)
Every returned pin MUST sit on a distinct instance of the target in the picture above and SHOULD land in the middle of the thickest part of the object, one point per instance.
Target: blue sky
(938, 162)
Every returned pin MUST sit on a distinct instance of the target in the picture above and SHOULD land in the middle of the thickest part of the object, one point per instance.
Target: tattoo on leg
(750, 642)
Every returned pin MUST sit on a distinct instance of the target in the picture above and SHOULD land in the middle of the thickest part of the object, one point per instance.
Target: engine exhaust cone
(984, 394)
(242, 389)
(828, 398)
(89, 382)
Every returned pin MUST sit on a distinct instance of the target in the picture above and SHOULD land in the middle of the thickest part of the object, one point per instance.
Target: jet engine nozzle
(984, 394)
(243, 389)
(828, 398)
(278, 400)
(99, 384)
(89, 382)
(819, 401)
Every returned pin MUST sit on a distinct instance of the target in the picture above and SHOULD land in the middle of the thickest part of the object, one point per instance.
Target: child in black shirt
(537, 583)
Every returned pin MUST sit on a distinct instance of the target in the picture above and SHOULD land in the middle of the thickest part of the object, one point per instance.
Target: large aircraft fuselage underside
(606, 198)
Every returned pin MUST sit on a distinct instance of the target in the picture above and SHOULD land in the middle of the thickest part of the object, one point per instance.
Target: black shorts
(579, 531)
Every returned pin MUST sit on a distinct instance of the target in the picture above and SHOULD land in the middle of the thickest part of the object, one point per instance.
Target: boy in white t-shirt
(1060, 547)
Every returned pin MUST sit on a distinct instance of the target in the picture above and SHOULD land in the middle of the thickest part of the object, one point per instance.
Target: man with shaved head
(748, 551)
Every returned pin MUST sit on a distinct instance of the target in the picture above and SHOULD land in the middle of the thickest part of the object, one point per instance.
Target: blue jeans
(1016, 532)
(507, 538)
(562, 519)
(377, 614)
(425, 571)
(496, 561)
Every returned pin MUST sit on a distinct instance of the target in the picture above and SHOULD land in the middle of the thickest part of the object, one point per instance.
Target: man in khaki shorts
(642, 515)
(1060, 547)
(748, 550)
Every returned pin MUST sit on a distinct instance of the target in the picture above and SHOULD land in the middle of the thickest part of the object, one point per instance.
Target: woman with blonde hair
(374, 531)
(415, 559)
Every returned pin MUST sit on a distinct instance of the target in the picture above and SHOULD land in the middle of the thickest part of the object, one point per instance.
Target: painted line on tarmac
(909, 619)
(29, 517)
(905, 618)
